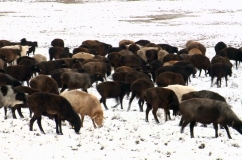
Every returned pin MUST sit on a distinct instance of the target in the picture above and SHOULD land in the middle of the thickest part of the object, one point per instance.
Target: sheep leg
(116, 104)
(103, 100)
(131, 99)
(227, 130)
(149, 107)
(58, 126)
(121, 101)
(192, 124)
(30, 113)
(34, 118)
(180, 123)
(226, 81)
(39, 124)
(167, 114)
(82, 119)
(13, 113)
(5, 112)
(141, 102)
(154, 110)
(200, 70)
(184, 124)
(215, 125)
(19, 112)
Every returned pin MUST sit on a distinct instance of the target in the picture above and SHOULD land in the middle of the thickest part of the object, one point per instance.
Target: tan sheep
(170, 63)
(194, 51)
(83, 55)
(85, 104)
(161, 54)
(39, 58)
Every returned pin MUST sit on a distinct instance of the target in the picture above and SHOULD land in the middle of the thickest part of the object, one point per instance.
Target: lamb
(158, 97)
(113, 89)
(52, 105)
(180, 90)
(208, 111)
(88, 104)
(169, 78)
(21, 72)
(137, 88)
(44, 83)
(219, 70)
(73, 80)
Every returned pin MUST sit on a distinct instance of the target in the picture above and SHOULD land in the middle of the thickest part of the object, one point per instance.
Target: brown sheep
(219, 70)
(233, 54)
(219, 46)
(54, 52)
(73, 80)
(161, 54)
(83, 55)
(158, 97)
(113, 89)
(119, 76)
(170, 49)
(198, 45)
(220, 59)
(58, 42)
(114, 59)
(39, 58)
(10, 55)
(124, 69)
(88, 104)
(200, 61)
(172, 57)
(52, 105)
(6, 79)
(101, 68)
(208, 111)
(137, 88)
(133, 48)
(21, 72)
(48, 66)
(134, 75)
(125, 42)
(169, 78)
(131, 61)
(44, 83)
(142, 42)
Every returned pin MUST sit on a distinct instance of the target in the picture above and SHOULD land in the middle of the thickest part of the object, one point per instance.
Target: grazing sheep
(101, 68)
(56, 51)
(58, 42)
(169, 78)
(52, 105)
(195, 44)
(21, 72)
(180, 90)
(170, 49)
(101, 48)
(124, 69)
(48, 66)
(114, 59)
(10, 55)
(69, 62)
(83, 55)
(39, 58)
(220, 59)
(6, 79)
(185, 71)
(44, 83)
(203, 94)
(88, 104)
(158, 97)
(208, 111)
(9, 97)
(194, 51)
(24, 58)
(131, 61)
(134, 75)
(233, 54)
(119, 76)
(113, 89)
(73, 80)
(172, 57)
(137, 88)
(219, 46)
(200, 61)
(219, 70)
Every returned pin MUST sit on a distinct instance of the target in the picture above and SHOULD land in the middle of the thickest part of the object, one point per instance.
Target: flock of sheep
(156, 74)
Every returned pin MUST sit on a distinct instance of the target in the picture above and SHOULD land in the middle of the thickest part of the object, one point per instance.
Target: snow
(125, 135)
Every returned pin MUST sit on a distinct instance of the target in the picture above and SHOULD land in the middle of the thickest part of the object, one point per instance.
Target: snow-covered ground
(125, 135)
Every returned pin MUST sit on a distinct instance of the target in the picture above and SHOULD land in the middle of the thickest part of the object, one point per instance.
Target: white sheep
(180, 90)
(23, 49)
(85, 104)
(83, 55)
(39, 58)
